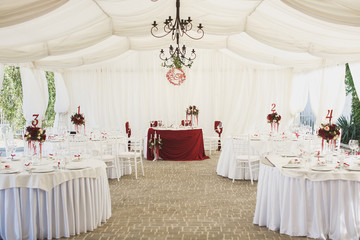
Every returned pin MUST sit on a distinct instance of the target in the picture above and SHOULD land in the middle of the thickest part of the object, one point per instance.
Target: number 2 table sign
(274, 118)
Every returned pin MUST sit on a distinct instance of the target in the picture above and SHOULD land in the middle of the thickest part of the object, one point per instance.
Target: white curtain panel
(327, 91)
(62, 97)
(136, 90)
(299, 93)
(35, 93)
(62, 103)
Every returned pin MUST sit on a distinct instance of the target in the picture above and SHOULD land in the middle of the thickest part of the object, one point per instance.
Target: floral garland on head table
(78, 119)
(155, 144)
(329, 132)
(192, 110)
(274, 119)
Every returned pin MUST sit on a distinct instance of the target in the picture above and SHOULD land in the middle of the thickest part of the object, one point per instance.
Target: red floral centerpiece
(329, 132)
(192, 110)
(78, 119)
(33, 135)
(274, 119)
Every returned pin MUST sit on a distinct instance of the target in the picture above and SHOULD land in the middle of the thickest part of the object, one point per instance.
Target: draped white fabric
(61, 105)
(240, 97)
(62, 97)
(333, 80)
(35, 93)
(345, 12)
(326, 87)
(299, 34)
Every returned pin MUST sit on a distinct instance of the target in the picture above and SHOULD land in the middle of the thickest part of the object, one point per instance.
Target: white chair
(243, 157)
(76, 145)
(132, 158)
(211, 143)
(108, 154)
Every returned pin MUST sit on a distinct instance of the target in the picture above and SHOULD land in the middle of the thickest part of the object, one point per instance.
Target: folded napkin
(294, 161)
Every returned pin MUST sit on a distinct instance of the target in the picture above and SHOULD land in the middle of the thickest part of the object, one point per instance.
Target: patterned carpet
(182, 200)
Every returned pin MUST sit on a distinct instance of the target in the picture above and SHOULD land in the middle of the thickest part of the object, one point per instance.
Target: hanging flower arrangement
(176, 63)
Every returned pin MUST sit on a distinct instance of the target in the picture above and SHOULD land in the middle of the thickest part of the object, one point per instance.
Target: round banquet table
(53, 204)
(259, 146)
(300, 202)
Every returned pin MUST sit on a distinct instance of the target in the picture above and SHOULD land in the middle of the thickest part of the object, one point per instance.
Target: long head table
(186, 144)
(53, 204)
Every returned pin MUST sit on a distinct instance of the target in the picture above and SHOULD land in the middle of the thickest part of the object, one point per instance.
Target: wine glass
(354, 145)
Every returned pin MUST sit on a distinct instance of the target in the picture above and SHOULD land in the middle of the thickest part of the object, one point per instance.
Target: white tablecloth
(305, 171)
(72, 206)
(301, 207)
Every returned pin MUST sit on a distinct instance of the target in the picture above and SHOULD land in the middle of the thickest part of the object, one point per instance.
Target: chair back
(241, 145)
(218, 127)
(185, 123)
(128, 129)
(137, 145)
(153, 123)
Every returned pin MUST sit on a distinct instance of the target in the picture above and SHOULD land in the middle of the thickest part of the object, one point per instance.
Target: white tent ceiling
(56, 34)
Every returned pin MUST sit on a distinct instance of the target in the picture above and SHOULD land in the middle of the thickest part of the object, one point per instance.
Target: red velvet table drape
(180, 145)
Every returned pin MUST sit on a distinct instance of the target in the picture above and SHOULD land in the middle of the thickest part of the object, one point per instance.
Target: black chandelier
(178, 28)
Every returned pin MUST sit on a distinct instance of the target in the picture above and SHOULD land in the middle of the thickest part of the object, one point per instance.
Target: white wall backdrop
(224, 90)
(135, 89)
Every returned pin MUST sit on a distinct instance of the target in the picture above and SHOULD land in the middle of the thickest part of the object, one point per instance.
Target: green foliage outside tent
(11, 99)
(350, 127)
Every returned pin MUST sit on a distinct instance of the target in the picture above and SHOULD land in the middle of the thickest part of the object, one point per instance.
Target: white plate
(75, 167)
(42, 163)
(354, 168)
(289, 155)
(9, 171)
(322, 168)
(255, 139)
(292, 165)
(42, 170)
(56, 140)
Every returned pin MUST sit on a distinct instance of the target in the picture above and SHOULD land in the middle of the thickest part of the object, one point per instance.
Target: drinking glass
(354, 145)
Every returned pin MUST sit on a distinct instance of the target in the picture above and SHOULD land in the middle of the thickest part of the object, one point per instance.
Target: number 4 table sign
(329, 115)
